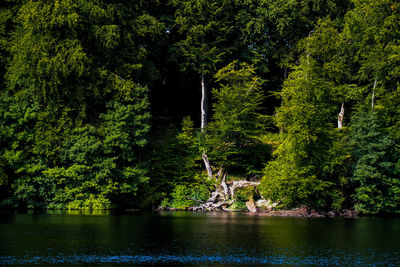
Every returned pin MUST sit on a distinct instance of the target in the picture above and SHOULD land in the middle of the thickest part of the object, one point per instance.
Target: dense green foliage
(231, 138)
(100, 102)
(377, 187)
(73, 118)
(351, 63)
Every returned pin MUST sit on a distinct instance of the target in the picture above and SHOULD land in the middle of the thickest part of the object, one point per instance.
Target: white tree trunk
(224, 185)
(340, 117)
(204, 104)
(207, 164)
(373, 92)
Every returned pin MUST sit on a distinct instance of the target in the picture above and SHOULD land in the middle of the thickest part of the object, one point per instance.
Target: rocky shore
(300, 212)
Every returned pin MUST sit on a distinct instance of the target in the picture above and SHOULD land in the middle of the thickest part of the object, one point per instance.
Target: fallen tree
(224, 194)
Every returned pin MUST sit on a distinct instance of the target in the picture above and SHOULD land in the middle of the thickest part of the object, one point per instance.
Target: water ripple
(351, 260)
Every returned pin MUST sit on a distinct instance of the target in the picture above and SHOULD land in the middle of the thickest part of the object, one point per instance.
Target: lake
(185, 238)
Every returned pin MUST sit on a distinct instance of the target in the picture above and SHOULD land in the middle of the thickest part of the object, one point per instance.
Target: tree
(376, 184)
(372, 34)
(305, 169)
(232, 135)
(338, 64)
(8, 13)
(273, 28)
(77, 63)
(205, 26)
(237, 121)
(77, 52)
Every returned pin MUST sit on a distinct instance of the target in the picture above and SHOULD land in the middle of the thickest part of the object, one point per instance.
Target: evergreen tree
(376, 184)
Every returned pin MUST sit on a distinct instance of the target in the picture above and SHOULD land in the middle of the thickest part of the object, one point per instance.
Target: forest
(178, 103)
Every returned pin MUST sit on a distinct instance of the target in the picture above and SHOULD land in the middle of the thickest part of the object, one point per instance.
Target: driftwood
(210, 206)
(196, 200)
(268, 204)
(241, 184)
(224, 194)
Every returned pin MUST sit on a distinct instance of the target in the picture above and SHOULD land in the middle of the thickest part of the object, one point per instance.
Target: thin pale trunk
(204, 104)
(373, 92)
(224, 185)
(308, 54)
(209, 171)
(207, 164)
(340, 117)
(284, 72)
(204, 123)
(219, 174)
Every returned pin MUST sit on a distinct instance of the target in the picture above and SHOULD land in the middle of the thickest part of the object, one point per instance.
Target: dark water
(182, 238)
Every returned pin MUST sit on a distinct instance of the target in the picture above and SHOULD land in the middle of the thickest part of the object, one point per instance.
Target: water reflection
(180, 237)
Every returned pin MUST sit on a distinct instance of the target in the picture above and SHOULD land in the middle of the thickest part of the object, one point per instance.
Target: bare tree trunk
(224, 185)
(373, 92)
(219, 174)
(308, 52)
(340, 117)
(207, 164)
(204, 104)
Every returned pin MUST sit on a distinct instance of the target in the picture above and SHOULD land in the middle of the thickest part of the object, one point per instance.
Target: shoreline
(300, 212)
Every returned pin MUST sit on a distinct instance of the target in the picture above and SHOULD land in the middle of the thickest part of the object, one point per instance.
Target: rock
(313, 213)
(349, 213)
(316, 214)
(332, 213)
(251, 206)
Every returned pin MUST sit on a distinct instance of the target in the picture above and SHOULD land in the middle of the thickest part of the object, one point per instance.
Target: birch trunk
(204, 104)
(208, 165)
(340, 117)
(373, 92)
